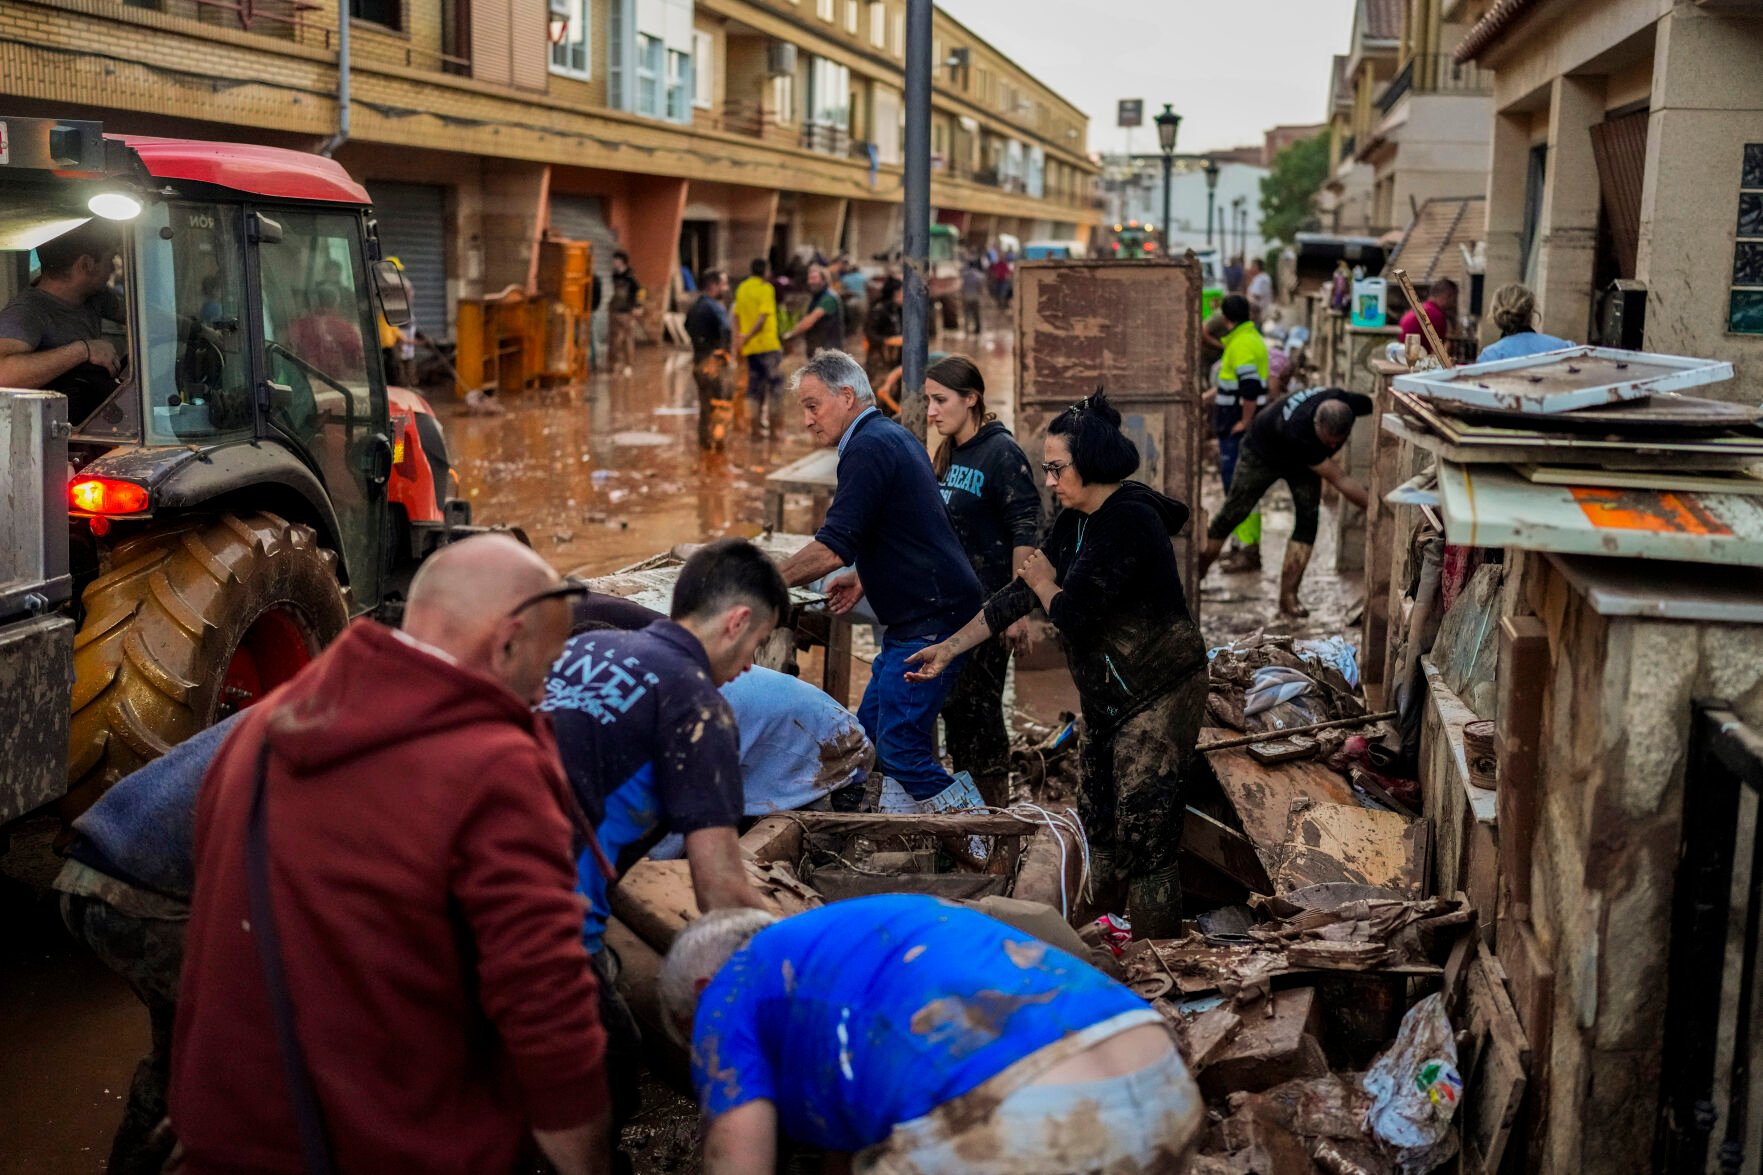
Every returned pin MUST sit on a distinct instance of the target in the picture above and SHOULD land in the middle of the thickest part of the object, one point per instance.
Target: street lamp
(1211, 194)
(1236, 215)
(1167, 124)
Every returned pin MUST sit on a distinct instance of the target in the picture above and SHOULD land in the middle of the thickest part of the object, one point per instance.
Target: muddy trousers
(624, 1053)
(148, 953)
(973, 721)
(1133, 808)
(1251, 479)
(712, 406)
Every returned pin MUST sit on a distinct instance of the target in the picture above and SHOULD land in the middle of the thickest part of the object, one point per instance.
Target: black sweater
(992, 500)
(1122, 618)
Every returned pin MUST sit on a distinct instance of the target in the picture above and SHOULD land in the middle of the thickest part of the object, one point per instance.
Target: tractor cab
(245, 309)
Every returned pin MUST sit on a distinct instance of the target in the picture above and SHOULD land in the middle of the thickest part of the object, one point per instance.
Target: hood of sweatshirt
(1174, 513)
(988, 430)
(372, 688)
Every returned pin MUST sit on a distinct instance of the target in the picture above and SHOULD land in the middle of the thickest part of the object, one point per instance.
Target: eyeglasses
(570, 589)
(1054, 468)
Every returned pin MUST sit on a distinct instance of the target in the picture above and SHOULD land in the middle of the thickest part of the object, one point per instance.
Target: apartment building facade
(694, 132)
(1627, 146)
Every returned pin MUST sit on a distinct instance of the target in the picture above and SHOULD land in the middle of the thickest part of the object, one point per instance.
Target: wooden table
(816, 475)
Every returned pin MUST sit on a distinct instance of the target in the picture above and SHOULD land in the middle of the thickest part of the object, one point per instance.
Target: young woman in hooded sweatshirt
(1107, 577)
(990, 491)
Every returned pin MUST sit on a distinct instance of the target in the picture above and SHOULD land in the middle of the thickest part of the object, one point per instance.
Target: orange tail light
(105, 495)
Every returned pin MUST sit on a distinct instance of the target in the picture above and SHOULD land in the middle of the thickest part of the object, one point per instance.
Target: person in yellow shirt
(756, 339)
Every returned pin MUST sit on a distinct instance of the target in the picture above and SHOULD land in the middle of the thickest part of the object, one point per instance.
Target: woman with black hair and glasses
(1107, 577)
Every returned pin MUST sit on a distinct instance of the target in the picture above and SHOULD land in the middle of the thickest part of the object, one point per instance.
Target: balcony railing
(288, 20)
(1435, 73)
(828, 140)
(752, 119)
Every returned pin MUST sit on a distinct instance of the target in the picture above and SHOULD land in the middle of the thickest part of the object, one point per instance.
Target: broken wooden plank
(1283, 750)
(1226, 850)
(1336, 842)
(655, 899)
(837, 885)
(773, 838)
(1522, 678)
(914, 824)
(1269, 1049)
(1262, 796)
(1208, 1034)
(1494, 1064)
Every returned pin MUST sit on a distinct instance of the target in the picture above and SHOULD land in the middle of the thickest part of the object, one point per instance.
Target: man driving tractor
(54, 327)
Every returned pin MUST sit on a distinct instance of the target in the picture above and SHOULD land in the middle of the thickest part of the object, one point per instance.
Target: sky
(1231, 68)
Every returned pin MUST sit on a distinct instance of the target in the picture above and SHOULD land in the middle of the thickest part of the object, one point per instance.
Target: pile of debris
(1268, 683)
(1337, 1028)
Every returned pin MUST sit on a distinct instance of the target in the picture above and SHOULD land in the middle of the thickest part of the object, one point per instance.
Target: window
(703, 70)
(899, 46)
(829, 94)
(851, 16)
(824, 9)
(679, 83)
(650, 51)
(389, 13)
(570, 56)
(783, 99)
(193, 268)
(878, 24)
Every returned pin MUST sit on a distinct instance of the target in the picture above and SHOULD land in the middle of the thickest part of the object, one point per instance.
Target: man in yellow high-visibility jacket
(756, 339)
(1242, 390)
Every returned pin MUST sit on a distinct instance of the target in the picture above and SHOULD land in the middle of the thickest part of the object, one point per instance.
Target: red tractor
(248, 481)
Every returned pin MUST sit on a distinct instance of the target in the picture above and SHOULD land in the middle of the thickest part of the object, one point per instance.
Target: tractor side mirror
(394, 293)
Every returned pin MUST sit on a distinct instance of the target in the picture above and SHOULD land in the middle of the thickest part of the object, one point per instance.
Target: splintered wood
(1307, 827)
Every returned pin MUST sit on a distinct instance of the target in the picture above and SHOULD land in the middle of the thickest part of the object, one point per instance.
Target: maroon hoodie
(421, 878)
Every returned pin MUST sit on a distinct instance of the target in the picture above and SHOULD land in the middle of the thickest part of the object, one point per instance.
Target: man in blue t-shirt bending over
(649, 744)
(924, 1035)
(888, 518)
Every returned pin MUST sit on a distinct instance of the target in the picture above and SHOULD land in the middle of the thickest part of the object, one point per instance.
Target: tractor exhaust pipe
(330, 146)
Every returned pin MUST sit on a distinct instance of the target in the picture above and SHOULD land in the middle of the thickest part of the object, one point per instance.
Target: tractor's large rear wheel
(192, 622)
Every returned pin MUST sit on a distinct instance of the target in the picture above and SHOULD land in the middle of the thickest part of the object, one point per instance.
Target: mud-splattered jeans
(1136, 1124)
(148, 953)
(973, 721)
(1132, 804)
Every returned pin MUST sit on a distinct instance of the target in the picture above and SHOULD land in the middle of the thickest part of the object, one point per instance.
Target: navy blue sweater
(888, 517)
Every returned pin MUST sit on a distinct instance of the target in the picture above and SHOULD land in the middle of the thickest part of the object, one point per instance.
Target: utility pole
(916, 353)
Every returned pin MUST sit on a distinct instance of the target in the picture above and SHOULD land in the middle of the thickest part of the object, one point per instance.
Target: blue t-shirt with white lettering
(649, 745)
(864, 1014)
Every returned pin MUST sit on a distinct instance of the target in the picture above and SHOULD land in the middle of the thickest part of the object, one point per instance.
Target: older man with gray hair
(888, 518)
(920, 1038)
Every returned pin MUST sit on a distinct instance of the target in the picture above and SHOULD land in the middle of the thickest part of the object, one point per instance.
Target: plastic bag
(1334, 652)
(1415, 1087)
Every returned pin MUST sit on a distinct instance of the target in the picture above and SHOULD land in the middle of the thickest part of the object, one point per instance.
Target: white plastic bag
(1415, 1087)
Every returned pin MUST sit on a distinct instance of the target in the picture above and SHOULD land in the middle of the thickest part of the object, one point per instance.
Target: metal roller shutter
(583, 218)
(413, 228)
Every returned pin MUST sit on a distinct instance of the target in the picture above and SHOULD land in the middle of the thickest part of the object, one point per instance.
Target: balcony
(827, 140)
(755, 120)
(1435, 73)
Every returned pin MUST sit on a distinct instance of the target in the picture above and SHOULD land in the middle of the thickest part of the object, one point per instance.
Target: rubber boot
(1153, 904)
(1246, 558)
(1291, 574)
(994, 788)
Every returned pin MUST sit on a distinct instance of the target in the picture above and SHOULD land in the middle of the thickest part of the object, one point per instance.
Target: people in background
(917, 1036)
(1440, 307)
(626, 299)
(400, 780)
(990, 491)
(1243, 378)
(1259, 290)
(1514, 313)
(1294, 441)
(881, 330)
(887, 517)
(757, 341)
(824, 323)
(711, 331)
(1107, 578)
(53, 329)
(973, 291)
(327, 339)
(1233, 274)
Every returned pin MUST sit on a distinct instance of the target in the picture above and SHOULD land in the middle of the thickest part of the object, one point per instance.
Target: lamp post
(1167, 124)
(1236, 214)
(1211, 194)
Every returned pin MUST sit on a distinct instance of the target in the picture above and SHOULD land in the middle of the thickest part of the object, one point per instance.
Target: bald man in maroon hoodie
(418, 836)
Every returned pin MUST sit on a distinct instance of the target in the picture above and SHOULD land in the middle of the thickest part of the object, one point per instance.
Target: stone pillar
(1707, 102)
(646, 217)
(516, 195)
(1507, 176)
(751, 213)
(872, 230)
(1567, 238)
(821, 222)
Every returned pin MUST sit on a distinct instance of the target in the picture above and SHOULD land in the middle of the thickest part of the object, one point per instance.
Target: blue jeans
(762, 379)
(900, 717)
